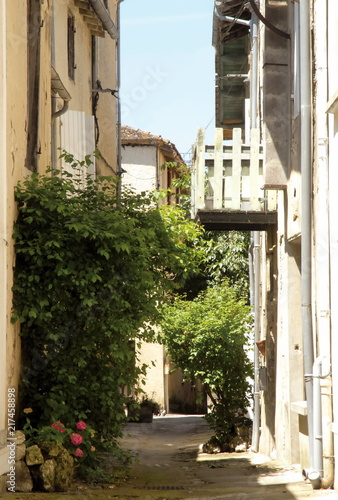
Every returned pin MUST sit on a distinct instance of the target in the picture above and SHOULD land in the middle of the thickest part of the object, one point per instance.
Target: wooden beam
(225, 220)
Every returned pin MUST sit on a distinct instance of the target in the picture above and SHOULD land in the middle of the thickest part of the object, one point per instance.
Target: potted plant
(143, 411)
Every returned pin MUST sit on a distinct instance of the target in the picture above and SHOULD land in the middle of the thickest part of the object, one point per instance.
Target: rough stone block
(46, 477)
(64, 471)
(20, 452)
(23, 479)
(19, 437)
(51, 450)
(34, 455)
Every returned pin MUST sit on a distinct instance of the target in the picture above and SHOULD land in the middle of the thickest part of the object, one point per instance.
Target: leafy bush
(91, 270)
(206, 338)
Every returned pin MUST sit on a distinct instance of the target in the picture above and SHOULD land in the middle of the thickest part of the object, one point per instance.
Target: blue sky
(167, 68)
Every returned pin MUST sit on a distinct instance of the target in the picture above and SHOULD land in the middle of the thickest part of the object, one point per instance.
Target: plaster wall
(289, 360)
(332, 47)
(281, 171)
(268, 333)
(333, 203)
(3, 241)
(14, 130)
(95, 61)
(107, 104)
(333, 208)
(143, 167)
(154, 383)
(140, 164)
(276, 96)
(16, 140)
(80, 87)
(13, 139)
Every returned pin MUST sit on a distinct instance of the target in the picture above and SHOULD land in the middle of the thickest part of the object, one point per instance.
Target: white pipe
(254, 70)
(251, 272)
(317, 419)
(256, 240)
(306, 210)
(244, 22)
(323, 235)
(103, 14)
(118, 85)
(257, 408)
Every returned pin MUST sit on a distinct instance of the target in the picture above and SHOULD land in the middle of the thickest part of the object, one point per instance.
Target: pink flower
(78, 453)
(81, 425)
(76, 438)
(58, 426)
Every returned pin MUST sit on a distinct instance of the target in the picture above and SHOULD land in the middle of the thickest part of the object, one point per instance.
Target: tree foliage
(206, 339)
(226, 256)
(91, 270)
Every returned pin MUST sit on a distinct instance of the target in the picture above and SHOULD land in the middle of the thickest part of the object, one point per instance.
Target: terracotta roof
(130, 135)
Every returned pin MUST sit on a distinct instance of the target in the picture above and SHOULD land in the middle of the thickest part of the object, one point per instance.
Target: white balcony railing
(229, 176)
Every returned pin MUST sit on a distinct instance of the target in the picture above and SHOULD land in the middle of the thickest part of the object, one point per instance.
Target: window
(71, 47)
(33, 83)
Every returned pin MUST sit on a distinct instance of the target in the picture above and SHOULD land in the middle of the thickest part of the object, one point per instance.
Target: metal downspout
(323, 245)
(251, 272)
(317, 419)
(244, 22)
(257, 408)
(256, 242)
(118, 85)
(103, 14)
(306, 186)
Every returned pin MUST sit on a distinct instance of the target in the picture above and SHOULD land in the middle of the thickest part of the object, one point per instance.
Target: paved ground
(170, 466)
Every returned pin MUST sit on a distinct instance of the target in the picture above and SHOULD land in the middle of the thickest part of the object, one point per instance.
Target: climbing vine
(91, 270)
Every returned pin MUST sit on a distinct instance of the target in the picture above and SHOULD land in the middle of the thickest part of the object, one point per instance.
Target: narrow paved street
(171, 466)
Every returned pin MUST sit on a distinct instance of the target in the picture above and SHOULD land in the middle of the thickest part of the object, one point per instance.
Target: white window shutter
(78, 138)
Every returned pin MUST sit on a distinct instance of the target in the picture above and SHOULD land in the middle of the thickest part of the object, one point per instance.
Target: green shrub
(207, 339)
(91, 270)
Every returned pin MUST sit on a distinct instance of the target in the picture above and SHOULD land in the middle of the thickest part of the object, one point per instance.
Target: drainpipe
(118, 85)
(59, 89)
(323, 242)
(317, 419)
(257, 408)
(256, 242)
(251, 271)
(306, 179)
(244, 22)
(104, 16)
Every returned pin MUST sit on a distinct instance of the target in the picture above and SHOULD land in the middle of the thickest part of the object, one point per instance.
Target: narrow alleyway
(171, 466)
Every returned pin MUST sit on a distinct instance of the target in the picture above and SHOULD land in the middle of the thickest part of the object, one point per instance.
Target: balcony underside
(225, 220)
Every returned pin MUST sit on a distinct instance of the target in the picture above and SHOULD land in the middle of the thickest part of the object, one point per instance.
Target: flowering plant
(76, 438)
(77, 443)
(81, 425)
(59, 426)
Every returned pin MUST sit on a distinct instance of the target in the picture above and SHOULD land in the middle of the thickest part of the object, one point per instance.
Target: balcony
(226, 184)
